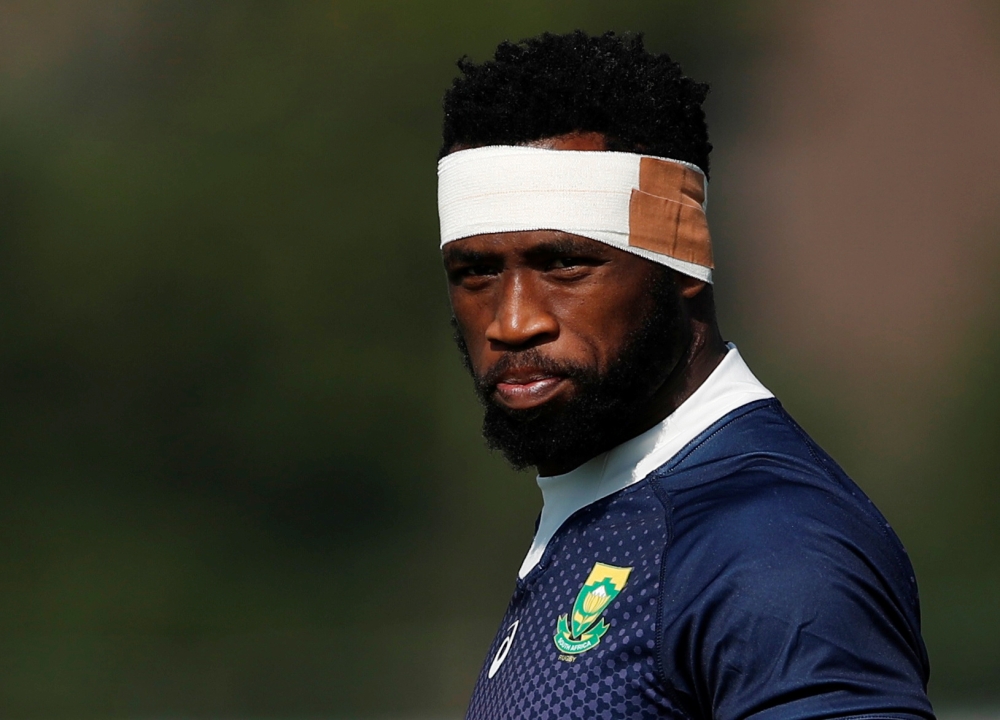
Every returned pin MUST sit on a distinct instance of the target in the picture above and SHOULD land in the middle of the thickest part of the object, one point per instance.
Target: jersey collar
(730, 386)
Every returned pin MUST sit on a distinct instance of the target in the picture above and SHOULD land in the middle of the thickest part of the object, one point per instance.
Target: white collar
(731, 385)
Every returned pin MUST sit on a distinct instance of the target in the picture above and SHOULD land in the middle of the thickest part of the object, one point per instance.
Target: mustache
(531, 359)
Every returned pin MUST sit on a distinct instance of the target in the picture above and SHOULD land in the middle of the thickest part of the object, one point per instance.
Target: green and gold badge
(587, 627)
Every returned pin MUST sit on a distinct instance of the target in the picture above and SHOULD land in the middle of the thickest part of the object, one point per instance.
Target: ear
(689, 287)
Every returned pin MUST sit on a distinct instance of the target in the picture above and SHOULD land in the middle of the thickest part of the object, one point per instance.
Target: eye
(477, 270)
(472, 273)
(564, 263)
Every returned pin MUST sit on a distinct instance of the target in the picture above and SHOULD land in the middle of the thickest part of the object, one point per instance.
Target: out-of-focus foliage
(241, 472)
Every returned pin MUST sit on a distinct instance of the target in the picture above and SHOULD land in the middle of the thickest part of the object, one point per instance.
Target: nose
(521, 318)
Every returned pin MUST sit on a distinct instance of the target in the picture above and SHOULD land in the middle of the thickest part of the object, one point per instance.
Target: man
(697, 555)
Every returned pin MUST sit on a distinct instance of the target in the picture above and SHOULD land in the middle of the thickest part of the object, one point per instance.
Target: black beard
(601, 414)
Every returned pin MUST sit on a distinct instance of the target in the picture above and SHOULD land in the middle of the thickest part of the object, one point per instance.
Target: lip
(527, 390)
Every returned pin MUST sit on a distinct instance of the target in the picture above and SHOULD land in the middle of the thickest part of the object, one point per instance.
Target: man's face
(567, 338)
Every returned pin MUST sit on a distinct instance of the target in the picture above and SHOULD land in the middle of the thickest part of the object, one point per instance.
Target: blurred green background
(240, 468)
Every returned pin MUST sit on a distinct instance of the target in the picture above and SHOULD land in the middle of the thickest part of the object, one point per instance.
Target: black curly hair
(557, 84)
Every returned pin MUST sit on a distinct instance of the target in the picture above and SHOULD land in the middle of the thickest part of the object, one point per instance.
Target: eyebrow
(455, 255)
(557, 246)
(567, 246)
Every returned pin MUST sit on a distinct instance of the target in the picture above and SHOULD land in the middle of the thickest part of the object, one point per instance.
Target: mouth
(528, 389)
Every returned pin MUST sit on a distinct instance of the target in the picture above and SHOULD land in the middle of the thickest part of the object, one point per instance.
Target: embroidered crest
(586, 627)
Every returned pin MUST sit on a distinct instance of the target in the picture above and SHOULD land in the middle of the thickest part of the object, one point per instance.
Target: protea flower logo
(587, 627)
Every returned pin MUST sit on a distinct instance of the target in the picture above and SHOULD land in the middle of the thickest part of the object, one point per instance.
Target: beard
(602, 411)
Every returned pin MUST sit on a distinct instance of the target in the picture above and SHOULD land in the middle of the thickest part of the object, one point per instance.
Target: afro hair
(552, 85)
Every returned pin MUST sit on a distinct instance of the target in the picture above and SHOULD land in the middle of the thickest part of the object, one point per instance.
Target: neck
(703, 355)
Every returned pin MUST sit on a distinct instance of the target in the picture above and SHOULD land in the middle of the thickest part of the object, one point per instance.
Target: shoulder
(756, 477)
(782, 577)
(777, 540)
(755, 490)
(778, 520)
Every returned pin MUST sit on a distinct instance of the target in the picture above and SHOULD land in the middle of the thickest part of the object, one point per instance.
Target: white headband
(653, 207)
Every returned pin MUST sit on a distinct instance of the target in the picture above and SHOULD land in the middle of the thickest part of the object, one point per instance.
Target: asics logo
(503, 650)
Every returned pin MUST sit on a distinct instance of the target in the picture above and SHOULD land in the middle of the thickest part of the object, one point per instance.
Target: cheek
(471, 320)
(594, 329)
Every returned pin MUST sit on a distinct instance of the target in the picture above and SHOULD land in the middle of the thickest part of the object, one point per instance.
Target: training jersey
(746, 576)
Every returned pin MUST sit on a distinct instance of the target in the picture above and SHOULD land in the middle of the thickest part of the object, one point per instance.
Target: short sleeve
(781, 601)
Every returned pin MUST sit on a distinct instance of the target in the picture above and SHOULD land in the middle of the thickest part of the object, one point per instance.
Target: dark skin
(575, 300)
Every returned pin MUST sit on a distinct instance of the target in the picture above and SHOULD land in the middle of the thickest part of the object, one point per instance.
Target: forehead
(527, 243)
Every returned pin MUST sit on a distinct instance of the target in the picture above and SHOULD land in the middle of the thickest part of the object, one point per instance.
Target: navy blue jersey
(747, 577)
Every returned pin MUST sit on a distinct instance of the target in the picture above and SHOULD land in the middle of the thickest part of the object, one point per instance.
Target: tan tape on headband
(666, 212)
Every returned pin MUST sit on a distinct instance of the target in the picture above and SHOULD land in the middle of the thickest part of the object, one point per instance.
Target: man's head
(575, 345)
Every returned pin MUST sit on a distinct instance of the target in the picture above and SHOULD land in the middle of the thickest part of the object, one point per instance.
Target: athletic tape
(653, 207)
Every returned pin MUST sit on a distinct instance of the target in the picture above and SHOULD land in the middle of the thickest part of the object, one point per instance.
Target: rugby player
(697, 554)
